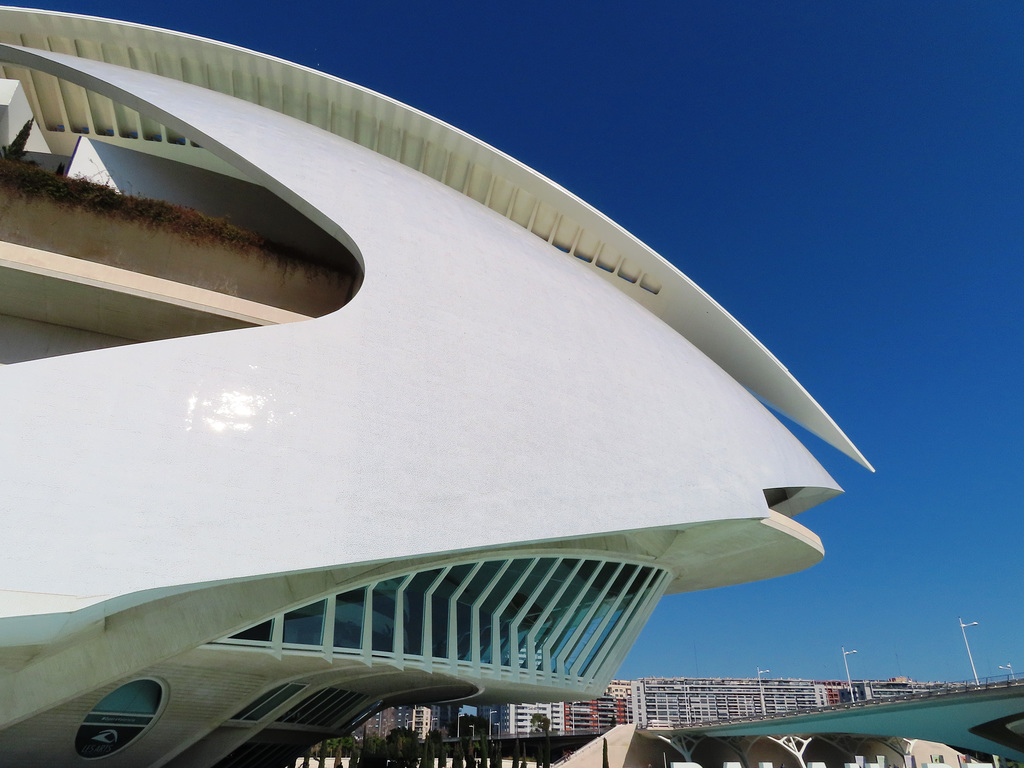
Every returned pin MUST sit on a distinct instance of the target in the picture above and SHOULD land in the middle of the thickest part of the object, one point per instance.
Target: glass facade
(546, 616)
(305, 625)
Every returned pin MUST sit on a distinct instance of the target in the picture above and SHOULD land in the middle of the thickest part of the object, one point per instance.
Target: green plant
(76, 193)
(16, 149)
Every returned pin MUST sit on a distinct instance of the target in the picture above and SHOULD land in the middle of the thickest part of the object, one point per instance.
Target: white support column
(548, 662)
(684, 743)
(531, 639)
(328, 638)
(582, 655)
(474, 632)
(277, 636)
(575, 634)
(518, 671)
(453, 619)
(643, 604)
(795, 745)
(496, 619)
(628, 610)
(367, 640)
(398, 643)
(428, 619)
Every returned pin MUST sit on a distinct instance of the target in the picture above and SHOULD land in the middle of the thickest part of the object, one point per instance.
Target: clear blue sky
(848, 180)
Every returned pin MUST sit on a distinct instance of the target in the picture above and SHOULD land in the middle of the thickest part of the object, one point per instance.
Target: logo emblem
(108, 736)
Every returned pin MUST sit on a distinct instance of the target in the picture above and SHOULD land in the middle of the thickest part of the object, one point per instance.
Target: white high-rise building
(521, 717)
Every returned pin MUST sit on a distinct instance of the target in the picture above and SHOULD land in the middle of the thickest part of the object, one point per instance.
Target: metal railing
(986, 683)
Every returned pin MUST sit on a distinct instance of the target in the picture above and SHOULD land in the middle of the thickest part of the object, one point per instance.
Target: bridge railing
(998, 681)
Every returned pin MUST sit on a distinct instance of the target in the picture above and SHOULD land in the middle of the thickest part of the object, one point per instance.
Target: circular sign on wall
(121, 717)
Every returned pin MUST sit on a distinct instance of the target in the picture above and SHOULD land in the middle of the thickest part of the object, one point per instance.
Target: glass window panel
(589, 598)
(305, 625)
(260, 633)
(501, 589)
(269, 701)
(627, 606)
(384, 604)
(139, 697)
(464, 606)
(439, 607)
(623, 579)
(540, 569)
(413, 600)
(561, 573)
(576, 585)
(348, 618)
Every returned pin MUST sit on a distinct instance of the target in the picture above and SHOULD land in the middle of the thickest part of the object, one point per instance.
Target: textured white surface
(419, 141)
(481, 388)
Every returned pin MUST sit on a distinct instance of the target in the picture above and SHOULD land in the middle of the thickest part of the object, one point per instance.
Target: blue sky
(848, 180)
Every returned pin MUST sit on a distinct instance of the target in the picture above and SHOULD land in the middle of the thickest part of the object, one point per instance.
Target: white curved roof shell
(431, 147)
(481, 388)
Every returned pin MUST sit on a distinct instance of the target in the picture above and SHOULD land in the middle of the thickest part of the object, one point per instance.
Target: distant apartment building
(615, 707)
(665, 702)
(881, 689)
(420, 719)
(517, 719)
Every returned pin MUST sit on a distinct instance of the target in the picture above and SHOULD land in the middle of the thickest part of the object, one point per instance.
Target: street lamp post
(846, 664)
(963, 629)
(1008, 668)
(491, 714)
(760, 688)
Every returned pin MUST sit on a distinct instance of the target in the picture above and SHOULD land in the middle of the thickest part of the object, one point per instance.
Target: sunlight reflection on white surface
(229, 411)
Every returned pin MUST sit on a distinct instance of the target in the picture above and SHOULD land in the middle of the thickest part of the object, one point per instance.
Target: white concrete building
(520, 717)
(455, 450)
(673, 702)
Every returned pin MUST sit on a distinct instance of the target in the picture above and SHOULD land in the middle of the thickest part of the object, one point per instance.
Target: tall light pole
(489, 716)
(1008, 668)
(760, 687)
(846, 664)
(963, 629)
